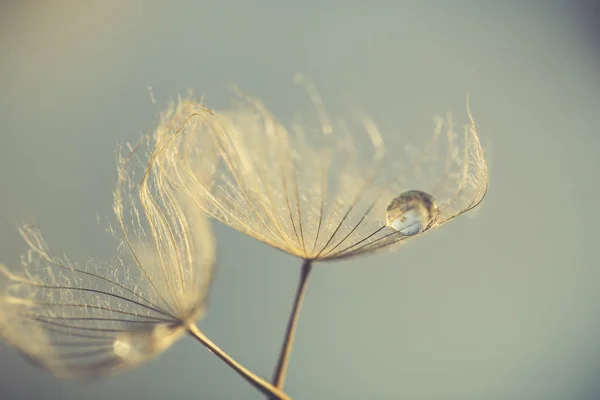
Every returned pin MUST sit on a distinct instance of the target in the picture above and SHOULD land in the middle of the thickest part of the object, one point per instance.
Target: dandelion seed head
(103, 316)
(322, 192)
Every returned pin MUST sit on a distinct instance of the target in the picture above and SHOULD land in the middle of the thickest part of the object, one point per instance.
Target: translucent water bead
(136, 346)
(412, 212)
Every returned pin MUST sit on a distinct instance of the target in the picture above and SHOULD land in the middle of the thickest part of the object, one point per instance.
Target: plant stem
(259, 383)
(284, 356)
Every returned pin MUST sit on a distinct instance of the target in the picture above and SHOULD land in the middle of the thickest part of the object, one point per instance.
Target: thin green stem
(284, 356)
(260, 384)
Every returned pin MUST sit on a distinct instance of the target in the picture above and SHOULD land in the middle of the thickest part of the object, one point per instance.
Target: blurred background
(505, 305)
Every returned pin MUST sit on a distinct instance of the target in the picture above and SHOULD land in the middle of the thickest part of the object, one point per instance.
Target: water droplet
(137, 345)
(412, 212)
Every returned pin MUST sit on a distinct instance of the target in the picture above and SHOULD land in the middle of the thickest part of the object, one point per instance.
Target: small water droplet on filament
(412, 212)
(137, 345)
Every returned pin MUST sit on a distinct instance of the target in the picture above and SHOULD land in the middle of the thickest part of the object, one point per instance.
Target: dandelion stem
(259, 383)
(286, 350)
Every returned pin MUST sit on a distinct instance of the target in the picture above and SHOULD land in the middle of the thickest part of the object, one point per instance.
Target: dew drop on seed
(135, 346)
(412, 212)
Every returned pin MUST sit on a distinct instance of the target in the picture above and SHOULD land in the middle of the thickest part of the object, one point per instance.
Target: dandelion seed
(326, 193)
(320, 200)
(103, 317)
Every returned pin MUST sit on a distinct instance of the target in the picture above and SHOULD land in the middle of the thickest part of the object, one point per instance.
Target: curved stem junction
(260, 384)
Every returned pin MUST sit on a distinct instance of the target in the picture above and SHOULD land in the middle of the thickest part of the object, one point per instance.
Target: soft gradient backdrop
(505, 305)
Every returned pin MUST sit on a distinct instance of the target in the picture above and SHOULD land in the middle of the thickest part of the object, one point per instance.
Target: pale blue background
(501, 306)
